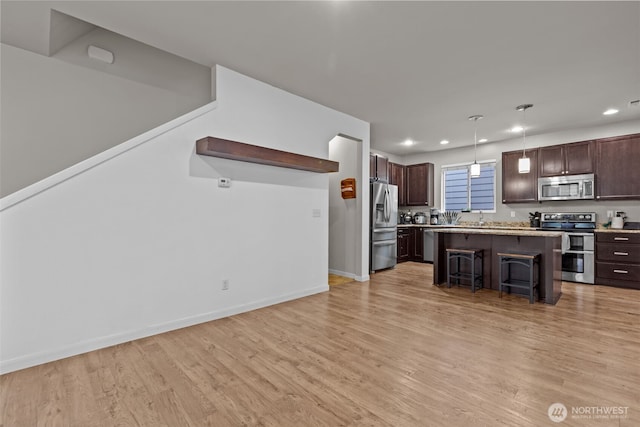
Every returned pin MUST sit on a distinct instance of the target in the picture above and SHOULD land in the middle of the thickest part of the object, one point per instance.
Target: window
(461, 192)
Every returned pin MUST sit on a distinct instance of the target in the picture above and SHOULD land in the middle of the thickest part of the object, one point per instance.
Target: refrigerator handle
(387, 205)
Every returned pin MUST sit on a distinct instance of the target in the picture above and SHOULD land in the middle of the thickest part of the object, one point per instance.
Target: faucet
(480, 221)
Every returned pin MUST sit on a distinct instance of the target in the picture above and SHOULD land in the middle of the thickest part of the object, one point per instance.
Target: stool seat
(529, 261)
(473, 274)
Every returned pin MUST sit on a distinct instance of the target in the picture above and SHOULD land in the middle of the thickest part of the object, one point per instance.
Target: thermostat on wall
(224, 182)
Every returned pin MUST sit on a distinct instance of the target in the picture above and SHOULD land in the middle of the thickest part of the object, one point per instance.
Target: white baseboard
(34, 359)
(342, 273)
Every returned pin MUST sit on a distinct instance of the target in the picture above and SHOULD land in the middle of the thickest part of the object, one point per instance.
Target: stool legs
(448, 271)
(475, 274)
(531, 281)
(527, 261)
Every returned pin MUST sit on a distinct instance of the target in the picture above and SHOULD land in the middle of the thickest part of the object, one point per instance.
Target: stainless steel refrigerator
(383, 226)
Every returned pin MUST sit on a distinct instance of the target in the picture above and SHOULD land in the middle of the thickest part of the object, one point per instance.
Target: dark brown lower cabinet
(618, 259)
(403, 243)
(410, 244)
(417, 250)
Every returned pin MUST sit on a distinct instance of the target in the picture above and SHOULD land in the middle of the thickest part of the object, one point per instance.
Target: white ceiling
(413, 69)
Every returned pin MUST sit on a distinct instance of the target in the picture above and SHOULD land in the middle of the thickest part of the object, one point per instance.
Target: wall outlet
(513, 214)
(225, 284)
(224, 182)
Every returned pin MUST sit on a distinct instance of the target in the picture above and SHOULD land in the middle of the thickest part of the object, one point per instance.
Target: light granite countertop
(500, 231)
(506, 229)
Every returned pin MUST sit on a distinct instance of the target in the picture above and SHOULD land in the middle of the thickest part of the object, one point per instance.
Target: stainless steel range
(578, 243)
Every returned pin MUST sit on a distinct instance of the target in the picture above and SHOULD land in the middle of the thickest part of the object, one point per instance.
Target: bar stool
(474, 276)
(529, 260)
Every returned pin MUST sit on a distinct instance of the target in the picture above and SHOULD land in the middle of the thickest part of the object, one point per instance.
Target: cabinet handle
(621, 271)
(620, 238)
(621, 253)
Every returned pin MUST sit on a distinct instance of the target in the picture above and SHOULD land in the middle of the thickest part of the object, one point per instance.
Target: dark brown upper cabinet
(378, 167)
(397, 177)
(419, 184)
(618, 168)
(519, 187)
(566, 159)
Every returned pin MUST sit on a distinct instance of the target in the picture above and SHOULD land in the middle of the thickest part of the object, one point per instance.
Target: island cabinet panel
(566, 159)
(419, 182)
(519, 187)
(618, 259)
(378, 167)
(617, 171)
(549, 290)
(397, 177)
(403, 244)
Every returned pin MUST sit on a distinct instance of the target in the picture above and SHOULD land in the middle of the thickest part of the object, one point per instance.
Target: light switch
(315, 213)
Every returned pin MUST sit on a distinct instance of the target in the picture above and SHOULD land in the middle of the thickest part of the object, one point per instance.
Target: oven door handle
(566, 242)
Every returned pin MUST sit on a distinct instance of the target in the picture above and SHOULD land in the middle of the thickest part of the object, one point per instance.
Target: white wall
(56, 113)
(112, 250)
(345, 215)
(493, 151)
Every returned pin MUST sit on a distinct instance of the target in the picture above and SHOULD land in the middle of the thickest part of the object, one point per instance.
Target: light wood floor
(395, 351)
(335, 280)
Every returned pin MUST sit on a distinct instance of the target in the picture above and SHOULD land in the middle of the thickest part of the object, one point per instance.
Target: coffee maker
(434, 216)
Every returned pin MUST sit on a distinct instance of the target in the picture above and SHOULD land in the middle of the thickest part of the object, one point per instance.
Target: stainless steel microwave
(567, 187)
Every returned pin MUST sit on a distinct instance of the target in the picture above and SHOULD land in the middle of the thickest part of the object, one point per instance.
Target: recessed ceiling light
(408, 142)
(517, 129)
(444, 142)
(610, 111)
(483, 140)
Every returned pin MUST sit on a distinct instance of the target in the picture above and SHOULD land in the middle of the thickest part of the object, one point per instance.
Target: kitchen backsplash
(521, 211)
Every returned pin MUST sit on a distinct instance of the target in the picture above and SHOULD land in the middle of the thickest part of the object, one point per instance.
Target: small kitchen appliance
(618, 220)
(420, 218)
(434, 216)
(406, 218)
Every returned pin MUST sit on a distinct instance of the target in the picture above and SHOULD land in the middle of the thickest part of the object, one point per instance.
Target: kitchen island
(494, 240)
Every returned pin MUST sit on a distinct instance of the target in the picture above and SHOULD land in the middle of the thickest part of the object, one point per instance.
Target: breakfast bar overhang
(495, 240)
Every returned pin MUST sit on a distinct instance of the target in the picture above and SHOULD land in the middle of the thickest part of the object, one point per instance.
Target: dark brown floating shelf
(226, 149)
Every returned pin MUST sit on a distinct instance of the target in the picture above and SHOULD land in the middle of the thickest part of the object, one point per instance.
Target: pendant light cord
(475, 140)
(524, 108)
(524, 131)
(475, 119)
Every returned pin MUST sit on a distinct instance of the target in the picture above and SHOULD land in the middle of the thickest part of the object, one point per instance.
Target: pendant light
(524, 163)
(475, 167)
